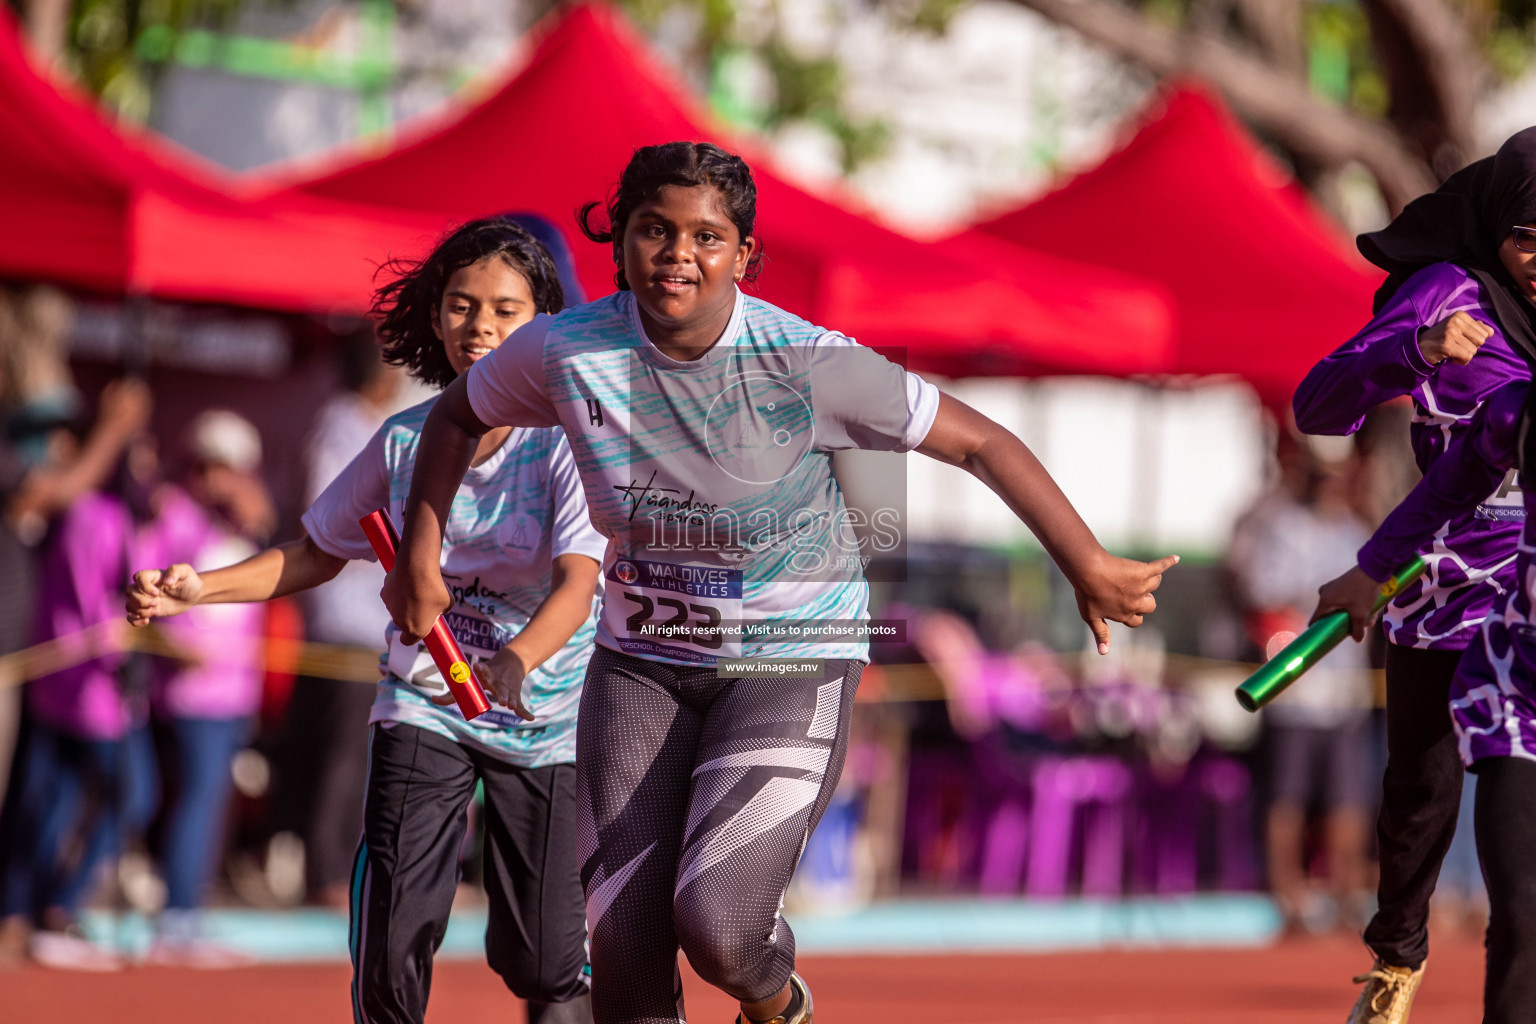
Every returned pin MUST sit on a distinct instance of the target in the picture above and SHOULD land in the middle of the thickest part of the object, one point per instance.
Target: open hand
(157, 593)
(1457, 338)
(1355, 593)
(503, 677)
(1119, 589)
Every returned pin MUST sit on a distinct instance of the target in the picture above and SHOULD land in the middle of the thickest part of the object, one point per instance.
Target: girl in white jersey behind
(522, 558)
(715, 713)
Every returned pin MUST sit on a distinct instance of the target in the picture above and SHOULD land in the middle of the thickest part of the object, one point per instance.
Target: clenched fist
(1457, 338)
(415, 602)
(1355, 593)
(157, 593)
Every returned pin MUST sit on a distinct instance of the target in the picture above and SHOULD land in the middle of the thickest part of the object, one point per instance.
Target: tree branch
(1281, 105)
(1434, 72)
(1275, 27)
(47, 25)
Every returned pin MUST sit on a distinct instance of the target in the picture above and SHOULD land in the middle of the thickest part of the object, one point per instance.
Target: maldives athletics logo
(625, 572)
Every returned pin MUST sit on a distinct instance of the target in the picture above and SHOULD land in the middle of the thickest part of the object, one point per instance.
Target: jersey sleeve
(1471, 468)
(571, 531)
(332, 521)
(861, 399)
(1379, 363)
(506, 388)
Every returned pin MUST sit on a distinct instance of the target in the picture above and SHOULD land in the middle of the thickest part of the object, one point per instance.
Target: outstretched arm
(275, 572)
(414, 591)
(1107, 587)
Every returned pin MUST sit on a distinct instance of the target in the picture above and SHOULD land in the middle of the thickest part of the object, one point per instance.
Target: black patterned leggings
(696, 795)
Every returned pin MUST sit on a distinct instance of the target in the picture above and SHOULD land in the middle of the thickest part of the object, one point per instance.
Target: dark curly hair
(676, 163)
(402, 307)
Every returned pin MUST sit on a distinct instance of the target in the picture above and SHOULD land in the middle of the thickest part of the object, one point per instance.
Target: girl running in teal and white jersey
(715, 713)
(522, 559)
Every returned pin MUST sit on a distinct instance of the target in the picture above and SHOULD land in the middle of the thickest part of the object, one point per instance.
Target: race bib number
(1508, 502)
(673, 611)
(476, 637)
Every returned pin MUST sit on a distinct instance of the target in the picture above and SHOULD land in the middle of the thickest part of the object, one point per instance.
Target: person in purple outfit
(88, 781)
(1469, 518)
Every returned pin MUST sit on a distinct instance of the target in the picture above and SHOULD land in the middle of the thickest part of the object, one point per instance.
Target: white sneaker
(198, 953)
(70, 951)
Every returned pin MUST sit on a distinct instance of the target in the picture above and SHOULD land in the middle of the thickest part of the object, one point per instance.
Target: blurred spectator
(1011, 709)
(224, 459)
(207, 701)
(988, 693)
(1295, 538)
(322, 766)
(1387, 467)
(42, 466)
(37, 392)
(88, 772)
(38, 480)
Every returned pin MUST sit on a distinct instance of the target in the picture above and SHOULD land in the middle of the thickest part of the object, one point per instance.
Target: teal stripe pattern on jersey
(712, 478)
(496, 562)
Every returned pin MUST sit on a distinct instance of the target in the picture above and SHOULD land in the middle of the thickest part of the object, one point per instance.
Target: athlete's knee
(723, 952)
(728, 964)
(1415, 786)
(543, 977)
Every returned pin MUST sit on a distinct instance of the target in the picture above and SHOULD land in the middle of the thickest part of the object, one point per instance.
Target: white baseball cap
(225, 438)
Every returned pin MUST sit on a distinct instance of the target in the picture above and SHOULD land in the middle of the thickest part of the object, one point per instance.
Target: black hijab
(1465, 221)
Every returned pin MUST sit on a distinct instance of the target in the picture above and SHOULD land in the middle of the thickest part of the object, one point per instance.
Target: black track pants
(1420, 797)
(419, 786)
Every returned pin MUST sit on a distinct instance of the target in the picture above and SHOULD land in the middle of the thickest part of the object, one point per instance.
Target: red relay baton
(440, 643)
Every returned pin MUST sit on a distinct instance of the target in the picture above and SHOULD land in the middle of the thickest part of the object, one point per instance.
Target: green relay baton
(1312, 644)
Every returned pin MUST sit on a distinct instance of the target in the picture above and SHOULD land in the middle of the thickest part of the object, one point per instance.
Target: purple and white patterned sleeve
(1465, 475)
(1380, 363)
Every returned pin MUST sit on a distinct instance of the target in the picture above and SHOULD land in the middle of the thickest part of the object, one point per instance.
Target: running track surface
(1300, 982)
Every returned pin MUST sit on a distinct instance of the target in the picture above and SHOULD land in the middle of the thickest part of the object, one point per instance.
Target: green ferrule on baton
(1314, 642)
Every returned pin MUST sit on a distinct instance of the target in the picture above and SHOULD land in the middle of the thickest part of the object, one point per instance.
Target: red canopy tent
(1263, 285)
(557, 133)
(88, 205)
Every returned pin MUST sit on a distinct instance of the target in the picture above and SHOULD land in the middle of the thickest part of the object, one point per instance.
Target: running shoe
(802, 1014)
(68, 950)
(1387, 996)
(198, 953)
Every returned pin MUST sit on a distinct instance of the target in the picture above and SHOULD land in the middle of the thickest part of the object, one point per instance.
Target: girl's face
(1520, 264)
(482, 304)
(683, 257)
